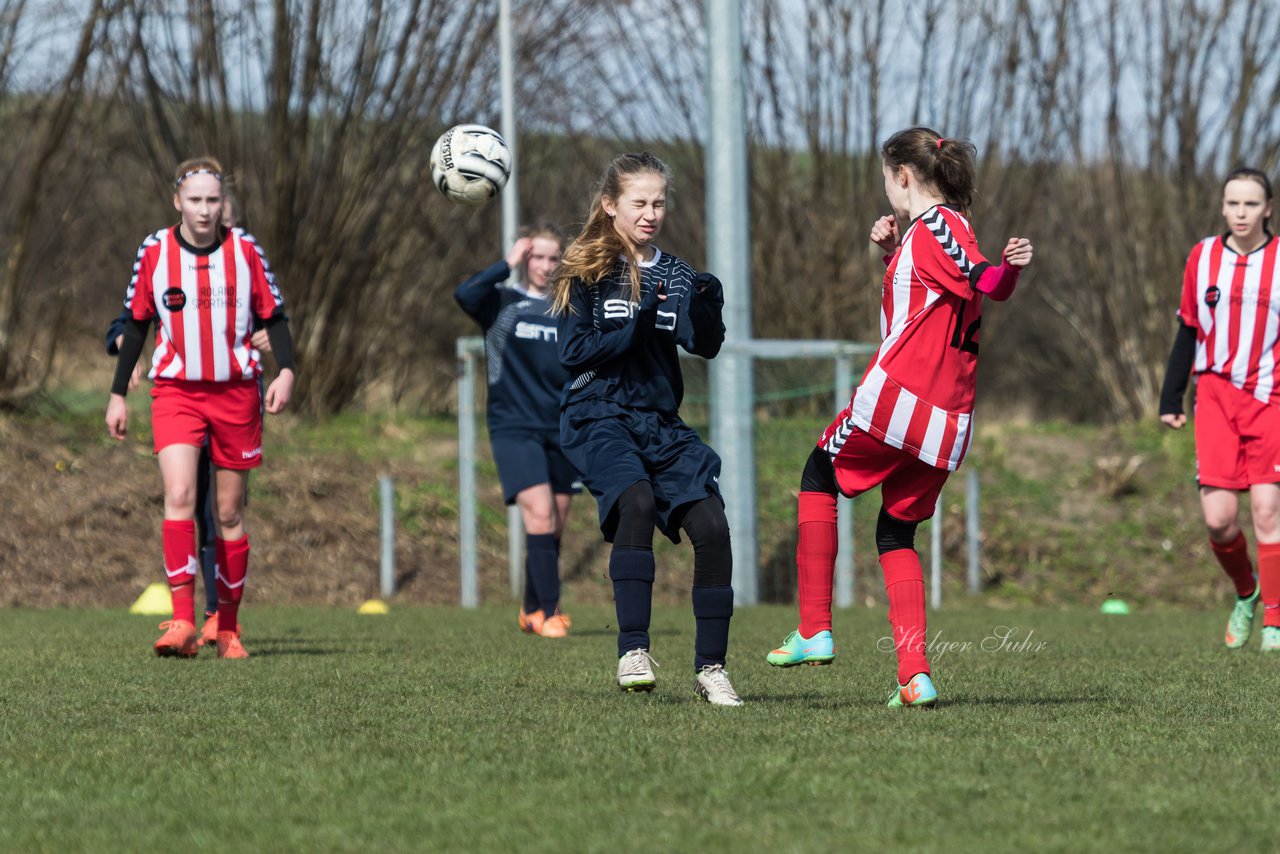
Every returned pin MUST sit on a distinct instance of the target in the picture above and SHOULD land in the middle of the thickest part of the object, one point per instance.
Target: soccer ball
(470, 164)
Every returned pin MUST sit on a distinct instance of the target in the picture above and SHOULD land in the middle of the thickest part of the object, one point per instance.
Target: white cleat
(635, 671)
(712, 684)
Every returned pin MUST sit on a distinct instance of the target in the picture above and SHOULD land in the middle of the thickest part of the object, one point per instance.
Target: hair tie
(941, 140)
(186, 175)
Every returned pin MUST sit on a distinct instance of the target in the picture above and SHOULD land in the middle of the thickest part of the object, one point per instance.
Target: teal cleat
(1240, 624)
(1271, 638)
(918, 692)
(797, 649)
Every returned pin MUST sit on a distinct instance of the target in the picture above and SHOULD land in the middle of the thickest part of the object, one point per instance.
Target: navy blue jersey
(625, 352)
(525, 375)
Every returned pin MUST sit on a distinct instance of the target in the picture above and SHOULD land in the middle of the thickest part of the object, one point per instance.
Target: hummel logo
(191, 568)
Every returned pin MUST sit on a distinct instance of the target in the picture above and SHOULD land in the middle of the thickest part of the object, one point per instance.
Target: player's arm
(998, 283)
(706, 307)
(130, 349)
(582, 346)
(479, 296)
(1177, 375)
(281, 389)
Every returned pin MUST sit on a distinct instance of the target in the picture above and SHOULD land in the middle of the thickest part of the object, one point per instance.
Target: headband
(200, 171)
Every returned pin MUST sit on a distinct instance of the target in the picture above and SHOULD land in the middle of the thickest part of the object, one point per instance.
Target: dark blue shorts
(530, 459)
(615, 447)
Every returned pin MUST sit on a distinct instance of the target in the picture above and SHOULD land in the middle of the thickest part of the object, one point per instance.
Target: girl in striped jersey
(525, 382)
(204, 285)
(910, 420)
(1229, 338)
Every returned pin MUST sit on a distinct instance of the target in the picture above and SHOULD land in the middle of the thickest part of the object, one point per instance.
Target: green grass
(442, 729)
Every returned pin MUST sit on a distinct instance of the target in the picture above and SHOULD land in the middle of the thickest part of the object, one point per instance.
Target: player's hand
(279, 392)
(117, 417)
(1017, 252)
(1176, 422)
(261, 341)
(708, 286)
(885, 234)
(519, 251)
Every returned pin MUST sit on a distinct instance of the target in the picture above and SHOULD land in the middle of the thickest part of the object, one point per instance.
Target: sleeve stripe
(151, 240)
(937, 225)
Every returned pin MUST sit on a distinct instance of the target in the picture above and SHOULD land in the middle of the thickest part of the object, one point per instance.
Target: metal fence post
(388, 501)
(470, 589)
(973, 530)
(935, 557)
(845, 564)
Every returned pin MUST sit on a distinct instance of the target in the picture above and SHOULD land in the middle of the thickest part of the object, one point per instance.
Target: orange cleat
(555, 626)
(229, 646)
(531, 623)
(179, 639)
(209, 631)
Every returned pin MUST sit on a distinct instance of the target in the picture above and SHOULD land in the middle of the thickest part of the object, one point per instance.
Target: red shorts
(184, 412)
(1237, 436)
(909, 487)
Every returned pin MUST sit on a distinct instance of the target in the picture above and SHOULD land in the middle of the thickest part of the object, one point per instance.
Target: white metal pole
(935, 557)
(973, 529)
(387, 493)
(844, 520)
(510, 224)
(470, 589)
(728, 257)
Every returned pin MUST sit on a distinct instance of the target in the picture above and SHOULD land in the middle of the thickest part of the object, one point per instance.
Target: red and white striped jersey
(1233, 301)
(917, 393)
(205, 300)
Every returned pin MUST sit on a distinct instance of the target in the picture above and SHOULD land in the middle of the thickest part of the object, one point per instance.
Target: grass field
(442, 729)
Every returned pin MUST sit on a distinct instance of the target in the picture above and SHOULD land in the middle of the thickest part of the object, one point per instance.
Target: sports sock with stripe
(233, 566)
(178, 539)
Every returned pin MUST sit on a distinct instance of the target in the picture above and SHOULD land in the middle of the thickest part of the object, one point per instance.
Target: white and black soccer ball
(470, 164)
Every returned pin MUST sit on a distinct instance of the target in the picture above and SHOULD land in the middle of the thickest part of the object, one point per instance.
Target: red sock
(1234, 557)
(816, 561)
(233, 566)
(1269, 579)
(178, 541)
(904, 582)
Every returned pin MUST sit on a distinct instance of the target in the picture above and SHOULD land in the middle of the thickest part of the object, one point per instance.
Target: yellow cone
(373, 606)
(154, 600)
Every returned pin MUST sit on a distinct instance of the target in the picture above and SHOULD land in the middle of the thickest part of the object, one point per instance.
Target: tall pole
(510, 223)
(732, 388)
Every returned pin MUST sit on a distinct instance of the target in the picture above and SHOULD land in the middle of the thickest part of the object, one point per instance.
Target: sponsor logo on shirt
(615, 309)
(249, 455)
(535, 331)
(174, 299)
(1212, 295)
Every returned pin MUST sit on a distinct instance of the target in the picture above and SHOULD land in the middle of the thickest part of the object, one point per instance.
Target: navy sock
(208, 571)
(530, 583)
(712, 608)
(632, 571)
(542, 569)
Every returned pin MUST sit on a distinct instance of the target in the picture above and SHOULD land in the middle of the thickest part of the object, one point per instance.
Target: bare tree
(29, 325)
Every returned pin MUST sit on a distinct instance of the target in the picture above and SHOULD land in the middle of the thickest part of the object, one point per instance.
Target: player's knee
(819, 474)
(180, 498)
(636, 513)
(894, 534)
(1222, 527)
(707, 525)
(230, 518)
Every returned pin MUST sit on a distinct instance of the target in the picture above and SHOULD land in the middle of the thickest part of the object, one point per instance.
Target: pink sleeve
(998, 282)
